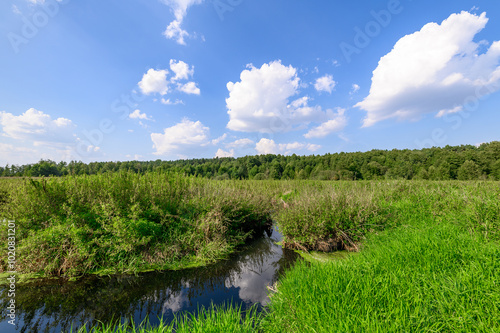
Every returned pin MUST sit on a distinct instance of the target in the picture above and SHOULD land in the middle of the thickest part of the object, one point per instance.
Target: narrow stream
(54, 306)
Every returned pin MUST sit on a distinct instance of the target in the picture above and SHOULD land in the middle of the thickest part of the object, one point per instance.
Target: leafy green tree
(443, 172)
(430, 163)
(375, 168)
(289, 172)
(422, 174)
(260, 176)
(308, 169)
(254, 171)
(276, 170)
(302, 174)
(469, 171)
(495, 170)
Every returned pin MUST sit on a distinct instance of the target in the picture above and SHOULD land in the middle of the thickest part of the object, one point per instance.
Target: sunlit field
(424, 256)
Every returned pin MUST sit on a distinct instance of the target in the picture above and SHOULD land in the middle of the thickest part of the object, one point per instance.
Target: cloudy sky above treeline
(175, 79)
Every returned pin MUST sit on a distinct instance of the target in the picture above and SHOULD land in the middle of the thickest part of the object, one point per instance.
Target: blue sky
(168, 79)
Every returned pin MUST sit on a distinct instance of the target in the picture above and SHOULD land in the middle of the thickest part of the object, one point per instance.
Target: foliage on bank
(125, 222)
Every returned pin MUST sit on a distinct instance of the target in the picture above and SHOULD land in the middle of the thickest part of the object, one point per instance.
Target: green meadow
(436, 268)
(422, 256)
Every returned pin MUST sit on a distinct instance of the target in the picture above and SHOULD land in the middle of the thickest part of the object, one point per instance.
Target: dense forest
(465, 162)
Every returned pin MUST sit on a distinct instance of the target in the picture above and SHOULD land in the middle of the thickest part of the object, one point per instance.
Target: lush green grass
(212, 320)
(326, 215)
(428, 260)
(435, 269)
(438, 271)
(428, 279)
(420, 277)
(127, 223)
(7, 185)
(333, 216)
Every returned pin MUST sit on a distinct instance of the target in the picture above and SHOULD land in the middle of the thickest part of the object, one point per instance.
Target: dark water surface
(57, 305)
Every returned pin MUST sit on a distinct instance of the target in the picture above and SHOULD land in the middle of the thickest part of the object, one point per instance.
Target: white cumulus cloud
(221, 153)
(159, 82)
(262, 101)
(167, 101)
(325, 83)
(174, 29)
(268, 146)
(154, 81)
(355, 88)
(181, 69)
(219, 139)
(180, 7)
(335, 124)
(241, 143)
(289, 148)
(55, 139)
(312, 147)
(189, 88)
(438, 69)
(185, 135)
(261, 96)
(138, 115)
(38, 127)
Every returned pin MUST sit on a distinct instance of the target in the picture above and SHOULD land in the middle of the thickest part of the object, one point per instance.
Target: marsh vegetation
(425, 256)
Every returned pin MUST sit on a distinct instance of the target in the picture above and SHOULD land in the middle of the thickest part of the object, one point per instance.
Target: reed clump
(126, 222)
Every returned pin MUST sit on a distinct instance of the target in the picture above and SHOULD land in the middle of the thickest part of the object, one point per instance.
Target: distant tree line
(465, 162)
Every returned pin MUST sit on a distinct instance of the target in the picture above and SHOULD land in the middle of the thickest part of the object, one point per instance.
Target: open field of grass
(427, 253)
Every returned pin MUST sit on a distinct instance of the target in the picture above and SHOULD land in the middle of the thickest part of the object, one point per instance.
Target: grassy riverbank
(427, 253)
(436, 270)
(420, 277)
(127, 223)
